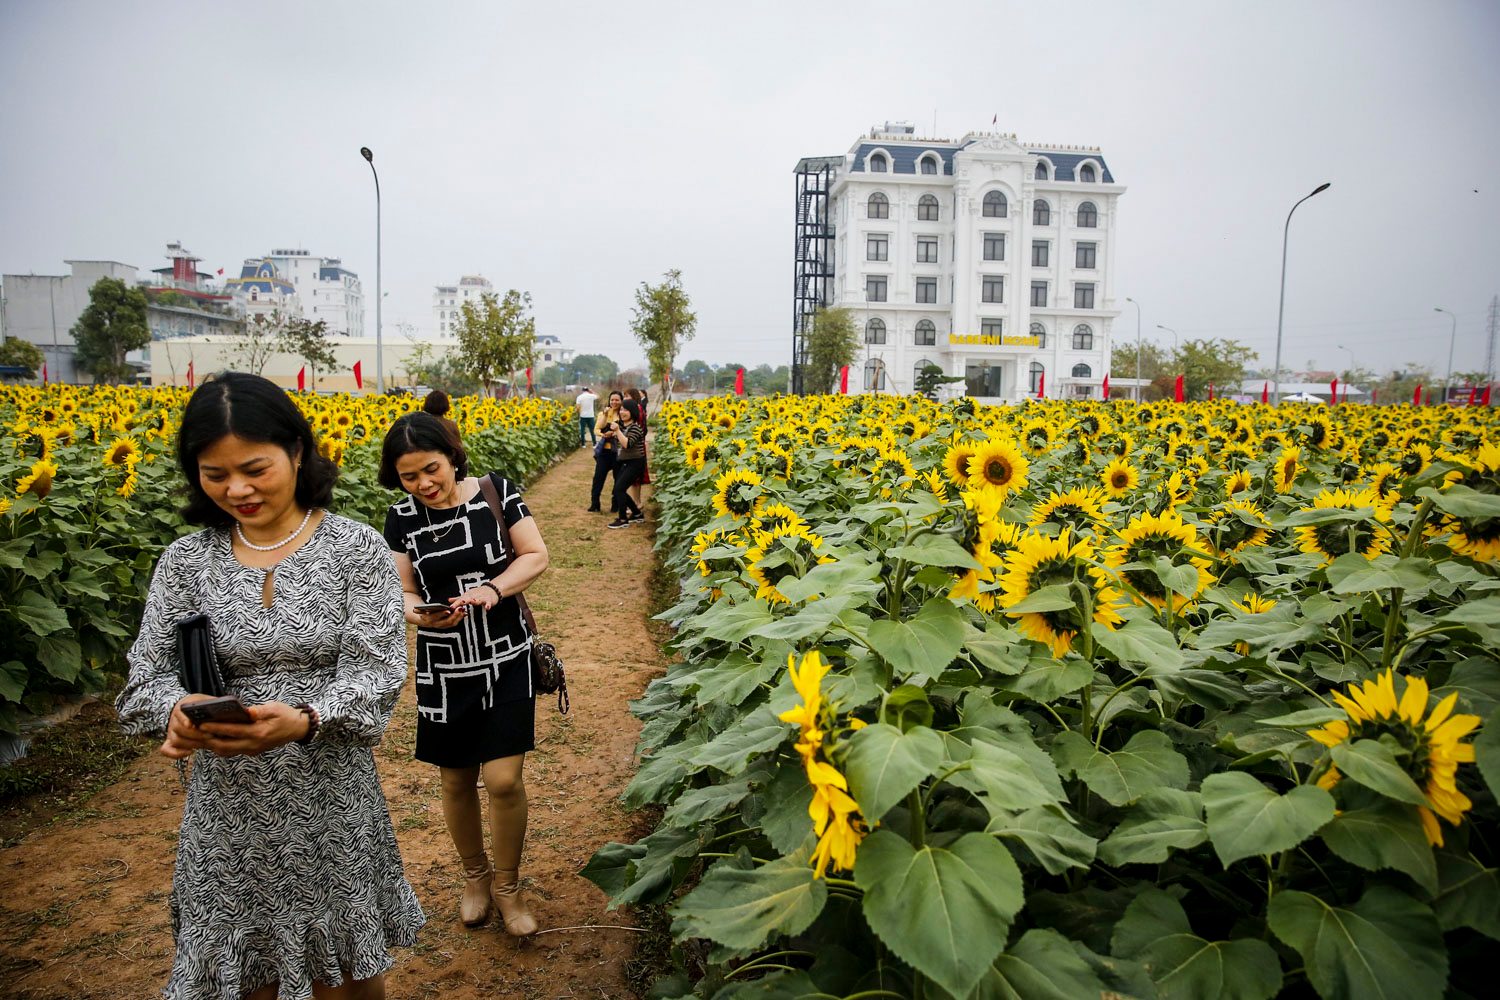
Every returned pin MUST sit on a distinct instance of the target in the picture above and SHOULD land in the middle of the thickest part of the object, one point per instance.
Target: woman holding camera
(631, 437)
(476, 708)
(288, 876)
(606, 452)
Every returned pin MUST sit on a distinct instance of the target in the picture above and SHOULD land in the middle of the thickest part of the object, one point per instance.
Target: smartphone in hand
(225, 709)
(432, 609)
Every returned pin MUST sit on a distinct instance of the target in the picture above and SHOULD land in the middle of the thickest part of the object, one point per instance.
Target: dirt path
(83, 910)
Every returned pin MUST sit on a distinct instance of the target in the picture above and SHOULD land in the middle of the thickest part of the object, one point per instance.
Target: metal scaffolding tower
(1490, 348)
(812, 267)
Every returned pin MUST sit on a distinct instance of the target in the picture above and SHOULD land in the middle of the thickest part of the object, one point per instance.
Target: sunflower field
(1073, 700)
(90, 497)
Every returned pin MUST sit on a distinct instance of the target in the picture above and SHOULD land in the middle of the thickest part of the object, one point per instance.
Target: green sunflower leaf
(1372, 764)
(1160, 822)
(884, 765)
(1049, 834)
(742, 908)
(1386, 835)
(1140, 641)
(924, 644)
(1487, 752)
(935, 550)
(1155, 931)
(1042, 965)
(1468, 894)
(1145, 763)
(1245, 818)
(1387, 946)
(1058, 597)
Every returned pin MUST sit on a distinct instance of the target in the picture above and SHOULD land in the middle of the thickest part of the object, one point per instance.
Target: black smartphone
(432, 609)
(225, 709)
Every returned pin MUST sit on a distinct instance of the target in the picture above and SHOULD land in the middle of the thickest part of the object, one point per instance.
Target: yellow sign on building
(990, 340)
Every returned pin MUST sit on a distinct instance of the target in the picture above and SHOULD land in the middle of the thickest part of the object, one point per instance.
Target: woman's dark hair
(634, 409)
(255, 409)
(633, 394)
(436, 403)
(420, 432)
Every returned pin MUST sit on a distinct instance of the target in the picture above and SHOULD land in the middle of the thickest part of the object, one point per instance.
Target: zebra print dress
(287, 864)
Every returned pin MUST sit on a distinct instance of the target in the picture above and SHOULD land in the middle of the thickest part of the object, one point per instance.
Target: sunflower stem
(918, 819)
(1393, 609)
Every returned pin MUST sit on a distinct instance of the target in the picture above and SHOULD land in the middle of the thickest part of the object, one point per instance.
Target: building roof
(905, 153)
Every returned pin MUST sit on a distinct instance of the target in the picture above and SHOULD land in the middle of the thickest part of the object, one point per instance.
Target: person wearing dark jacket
(606, 452)
(631, 437)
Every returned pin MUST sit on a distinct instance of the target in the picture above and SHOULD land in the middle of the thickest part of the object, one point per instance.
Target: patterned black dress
(474, 697)
(287, 865)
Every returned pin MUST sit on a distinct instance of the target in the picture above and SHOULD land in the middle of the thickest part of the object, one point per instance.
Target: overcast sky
(575, 150)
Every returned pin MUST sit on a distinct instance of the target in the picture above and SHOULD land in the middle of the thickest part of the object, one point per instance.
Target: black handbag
(547, 674)
(197, 668)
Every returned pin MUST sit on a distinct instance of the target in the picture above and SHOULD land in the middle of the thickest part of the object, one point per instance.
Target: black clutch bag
(197, 668)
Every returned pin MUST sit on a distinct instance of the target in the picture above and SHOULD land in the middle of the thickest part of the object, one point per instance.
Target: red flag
(44, 373)
(1416, 396)
(844, 380)
(302, 378)
(1374, 397)
(1473, 389)
(1041, 385)
(1177, 390)
(1265, 393)
(1334, 391)
(1106, 385)
(528, 380)
(190, 375)
(1210, 390)
(359, 375)
(739, 381)
(221, 272)
(1484, 399)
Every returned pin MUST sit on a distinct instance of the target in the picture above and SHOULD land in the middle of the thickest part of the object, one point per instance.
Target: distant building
(326, 289)
(550, 351)
(448, 301)
(43, 308)
(989, 258)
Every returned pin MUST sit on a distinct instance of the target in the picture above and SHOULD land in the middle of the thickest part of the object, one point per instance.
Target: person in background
(631, 437)
(606, 452)
(437, 404)
(476, 707)
(288, 879)
(585, 403)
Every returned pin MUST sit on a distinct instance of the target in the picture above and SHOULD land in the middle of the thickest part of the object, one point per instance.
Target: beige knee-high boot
(508, 831)
(461, 811)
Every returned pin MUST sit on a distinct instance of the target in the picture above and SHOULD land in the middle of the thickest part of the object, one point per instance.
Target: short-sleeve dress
(475, 701)
(287, 864)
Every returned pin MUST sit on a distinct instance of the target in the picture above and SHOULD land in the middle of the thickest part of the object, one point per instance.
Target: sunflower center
(1055, 572)
(997, 471)
(1338, 539)
(1119, 480)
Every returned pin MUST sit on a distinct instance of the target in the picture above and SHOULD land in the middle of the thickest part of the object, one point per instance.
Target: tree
(418, 360)
(113, 324)
(697, 375)
(662, 324)
(258, 339)
(1154, 364)
(308, 340)
(929, 378)
(1398, 386)
(593, 369)
(1202, 363)
(22, 354)
(496, 337)
(832, 341)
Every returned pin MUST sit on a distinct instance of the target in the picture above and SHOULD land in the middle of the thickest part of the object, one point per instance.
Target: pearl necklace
(438, 534)
(285, 541)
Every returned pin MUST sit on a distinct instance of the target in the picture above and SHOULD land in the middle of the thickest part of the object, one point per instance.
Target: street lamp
(1281, 309)
(1137, 346)
(379, 358)
(1174, 337)
(1452, 336)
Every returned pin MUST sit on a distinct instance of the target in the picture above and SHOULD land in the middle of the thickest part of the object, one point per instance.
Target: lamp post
(379, 357)
(1137, 346)
(1452, 337)
(1174, 338)
(1281, 309)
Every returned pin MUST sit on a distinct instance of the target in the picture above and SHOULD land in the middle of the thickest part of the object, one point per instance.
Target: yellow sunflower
(1037, 436)
(1038, 561)
(1237, 526)
(998, 466)
(737, 494)
(1149, 537)
(1477, 537)
(124, 451)
(39, 481)
(1285, 469)
(1336, 538)
(1385, 480)
(786, 551)
(1078, 510)
(956, 462)
(1119, 478)
(1429, 751)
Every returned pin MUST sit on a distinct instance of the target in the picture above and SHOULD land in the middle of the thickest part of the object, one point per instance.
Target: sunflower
(4, 504)
(998, 466)
(1429, 751)
(773, 516)
(39, 481)
(737, 494)
(1037, 435)
(956, 462)
(1253, 604)
(1477, 537)
(1119, 478)
(1077, 510)
(1038, 561)
(834, 814)
(1336, 538)
(936, 483)
(1385, 480)
(1237, 482)
(1285, 469)
(124, 451)
(1150, 537)
(786, 551)
(1237, 526)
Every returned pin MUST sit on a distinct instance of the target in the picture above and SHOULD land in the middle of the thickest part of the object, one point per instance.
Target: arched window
(1041, 170)
(927, 208)
(878, 164)
(880, 206)
(1083, 338)
(875, 331)
(994, 205)
(1041, 213)
(929, 164)
(875, 374)
(1088, 216)
(1037, 371)
(1082, 371)
(926, 334)
(1040, 333)
(1086, 175)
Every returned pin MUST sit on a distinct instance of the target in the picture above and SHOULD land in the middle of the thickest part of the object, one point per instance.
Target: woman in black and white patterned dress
(476, 708)
(288, 876)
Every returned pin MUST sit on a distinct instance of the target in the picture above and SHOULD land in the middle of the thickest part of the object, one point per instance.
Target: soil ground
(83, 900)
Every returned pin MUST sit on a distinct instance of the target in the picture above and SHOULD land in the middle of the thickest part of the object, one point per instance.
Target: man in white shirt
(585, 403)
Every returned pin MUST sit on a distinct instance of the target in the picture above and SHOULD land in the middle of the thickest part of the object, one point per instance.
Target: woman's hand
(275, 724)
(182, 736)
(481, 596)
(436, 619)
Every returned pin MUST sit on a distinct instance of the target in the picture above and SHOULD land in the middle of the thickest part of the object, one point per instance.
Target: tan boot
(479, 878)
(507, 893)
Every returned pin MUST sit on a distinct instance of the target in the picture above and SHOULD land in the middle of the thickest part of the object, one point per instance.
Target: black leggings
(602, 465)
(626, 473)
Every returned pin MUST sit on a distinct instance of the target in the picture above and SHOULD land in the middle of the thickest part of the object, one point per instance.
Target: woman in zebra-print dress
(288, 881)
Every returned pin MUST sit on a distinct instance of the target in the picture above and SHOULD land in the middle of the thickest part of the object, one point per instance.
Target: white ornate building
(989, 258)
(448, 302)
(326, 289)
